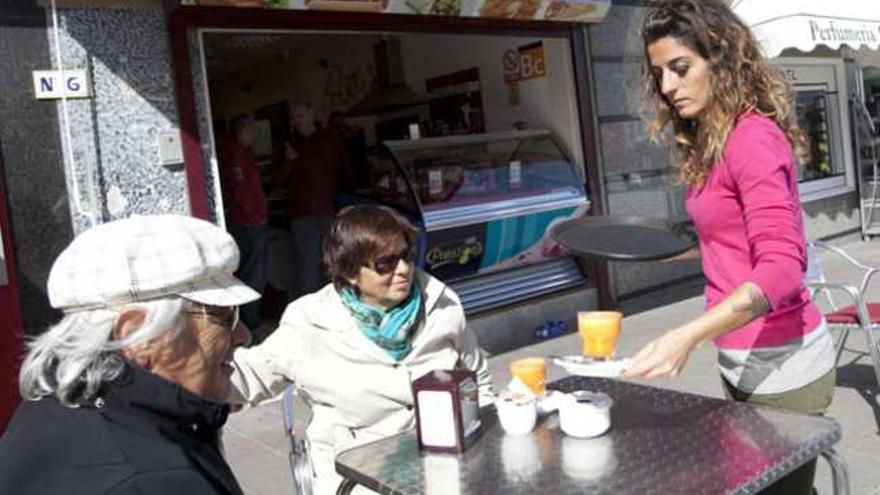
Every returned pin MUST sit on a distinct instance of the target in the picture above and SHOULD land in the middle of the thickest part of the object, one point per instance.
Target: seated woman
(353, 348)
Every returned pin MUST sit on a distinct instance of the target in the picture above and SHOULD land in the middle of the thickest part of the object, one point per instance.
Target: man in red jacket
(246, 211)
(310, 168)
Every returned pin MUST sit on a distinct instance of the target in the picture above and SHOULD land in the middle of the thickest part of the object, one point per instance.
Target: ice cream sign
(586, 11)
(524, 63)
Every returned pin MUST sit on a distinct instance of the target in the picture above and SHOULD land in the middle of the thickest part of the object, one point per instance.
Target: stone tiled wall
(638, 177)
(113, 155)
(832, 216)
(31, 159)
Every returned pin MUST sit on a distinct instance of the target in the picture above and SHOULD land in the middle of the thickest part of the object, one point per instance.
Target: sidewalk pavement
(257, 449)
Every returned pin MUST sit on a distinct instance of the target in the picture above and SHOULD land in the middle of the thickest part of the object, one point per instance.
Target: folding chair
(299, 458)
(860, 314)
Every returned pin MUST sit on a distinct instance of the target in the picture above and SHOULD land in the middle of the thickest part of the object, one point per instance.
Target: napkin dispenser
(447, 411)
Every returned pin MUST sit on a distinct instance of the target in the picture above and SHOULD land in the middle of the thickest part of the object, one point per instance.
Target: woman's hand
(667, 355)
(664, 356)
(691, 254)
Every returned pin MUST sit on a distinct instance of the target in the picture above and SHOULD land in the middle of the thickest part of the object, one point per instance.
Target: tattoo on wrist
(757, 304)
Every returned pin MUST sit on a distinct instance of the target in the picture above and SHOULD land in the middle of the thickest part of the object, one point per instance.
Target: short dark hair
(238, 122)
(358, 235)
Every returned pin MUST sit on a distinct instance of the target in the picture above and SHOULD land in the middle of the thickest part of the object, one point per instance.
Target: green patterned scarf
(389, 329)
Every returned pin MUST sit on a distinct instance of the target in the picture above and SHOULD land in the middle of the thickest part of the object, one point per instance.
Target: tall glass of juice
(599, 332)
(532, 372)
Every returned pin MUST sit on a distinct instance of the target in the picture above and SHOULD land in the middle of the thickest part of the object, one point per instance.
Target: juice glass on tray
(532, 372)
(599, 331)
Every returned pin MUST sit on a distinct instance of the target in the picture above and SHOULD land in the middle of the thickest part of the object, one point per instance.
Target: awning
(850, 25)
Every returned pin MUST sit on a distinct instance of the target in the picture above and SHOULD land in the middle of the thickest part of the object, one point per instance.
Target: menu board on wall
(549, 10)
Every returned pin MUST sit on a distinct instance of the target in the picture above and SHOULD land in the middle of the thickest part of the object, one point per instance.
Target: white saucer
(584, 366)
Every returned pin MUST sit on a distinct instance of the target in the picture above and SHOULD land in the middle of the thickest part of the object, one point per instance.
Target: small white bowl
(585, 414)
(516, 413)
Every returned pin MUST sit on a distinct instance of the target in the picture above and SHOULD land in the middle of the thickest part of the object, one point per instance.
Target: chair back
(815, 278)
(300, 466)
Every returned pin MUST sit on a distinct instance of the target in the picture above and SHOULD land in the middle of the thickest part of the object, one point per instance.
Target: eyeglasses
(385, 265)
(227, 317)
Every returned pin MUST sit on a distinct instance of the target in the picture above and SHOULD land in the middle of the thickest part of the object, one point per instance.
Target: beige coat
(356, 391)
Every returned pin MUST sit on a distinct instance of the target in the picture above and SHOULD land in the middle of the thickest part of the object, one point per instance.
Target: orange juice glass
(599, 331)
(532, 372)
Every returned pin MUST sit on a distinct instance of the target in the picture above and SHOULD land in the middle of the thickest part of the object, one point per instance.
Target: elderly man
(126, 394)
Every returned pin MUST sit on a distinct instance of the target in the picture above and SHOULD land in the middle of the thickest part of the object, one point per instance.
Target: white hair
(78, 354)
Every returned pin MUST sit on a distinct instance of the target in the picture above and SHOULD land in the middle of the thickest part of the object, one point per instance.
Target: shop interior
(430, 124)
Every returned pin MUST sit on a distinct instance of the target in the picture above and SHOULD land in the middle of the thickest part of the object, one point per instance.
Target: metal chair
(300, 467)
(299, 457)
(860, 314)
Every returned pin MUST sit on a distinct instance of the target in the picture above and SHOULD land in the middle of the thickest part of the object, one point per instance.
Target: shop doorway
(11, 323)
(477, 138)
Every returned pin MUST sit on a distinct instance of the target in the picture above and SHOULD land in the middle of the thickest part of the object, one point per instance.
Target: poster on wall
(456, 103)
(587, 11)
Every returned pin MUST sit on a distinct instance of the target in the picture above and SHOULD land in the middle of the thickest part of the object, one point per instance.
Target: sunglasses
(385, 265)
(225, 317)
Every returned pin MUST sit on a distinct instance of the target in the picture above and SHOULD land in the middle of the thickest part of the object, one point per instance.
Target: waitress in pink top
(737, 148)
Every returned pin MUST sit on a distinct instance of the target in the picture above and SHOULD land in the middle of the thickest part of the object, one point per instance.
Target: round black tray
(621, 238)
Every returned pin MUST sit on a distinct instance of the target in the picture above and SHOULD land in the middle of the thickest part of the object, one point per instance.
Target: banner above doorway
(583, 11)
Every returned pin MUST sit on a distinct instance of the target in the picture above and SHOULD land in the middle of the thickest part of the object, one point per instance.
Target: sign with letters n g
(55, 84)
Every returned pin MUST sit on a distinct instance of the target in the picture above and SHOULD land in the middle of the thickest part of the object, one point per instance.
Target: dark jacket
(315, 178)
(142, 435)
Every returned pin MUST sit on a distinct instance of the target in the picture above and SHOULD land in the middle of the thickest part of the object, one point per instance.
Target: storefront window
(814, 120)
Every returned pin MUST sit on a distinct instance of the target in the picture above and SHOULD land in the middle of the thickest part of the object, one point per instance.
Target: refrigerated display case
(485, 204)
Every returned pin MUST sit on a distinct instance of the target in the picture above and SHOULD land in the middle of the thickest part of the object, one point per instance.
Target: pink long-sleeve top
(748, 219)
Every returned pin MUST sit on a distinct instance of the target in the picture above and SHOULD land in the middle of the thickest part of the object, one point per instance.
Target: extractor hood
(391, 92)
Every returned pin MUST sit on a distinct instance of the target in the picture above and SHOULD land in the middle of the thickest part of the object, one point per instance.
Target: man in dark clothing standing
(126, 394)
(310, 168)
(246, 211)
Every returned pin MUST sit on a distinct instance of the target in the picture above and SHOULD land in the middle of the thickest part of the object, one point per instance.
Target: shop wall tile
(619, 88)
(619, 34)
(632, 148)
(114, 132)
(30, 150)
(832, 216)
(630, 277)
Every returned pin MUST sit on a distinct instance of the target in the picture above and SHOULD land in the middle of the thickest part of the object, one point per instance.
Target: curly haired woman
(737, 148)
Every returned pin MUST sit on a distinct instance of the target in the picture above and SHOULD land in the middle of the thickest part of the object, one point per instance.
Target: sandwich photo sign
(587, 11)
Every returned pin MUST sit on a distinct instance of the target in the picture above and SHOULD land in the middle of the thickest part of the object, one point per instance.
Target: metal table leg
(348, 485)
(839, 474)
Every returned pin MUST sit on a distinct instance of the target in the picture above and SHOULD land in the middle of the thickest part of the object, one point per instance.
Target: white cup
(516, 413)
(585, 414)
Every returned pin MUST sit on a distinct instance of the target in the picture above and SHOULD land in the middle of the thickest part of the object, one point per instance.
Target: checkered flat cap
(148, 257)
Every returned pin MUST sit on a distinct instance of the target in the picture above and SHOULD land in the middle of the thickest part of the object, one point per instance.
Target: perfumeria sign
(851, 33)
